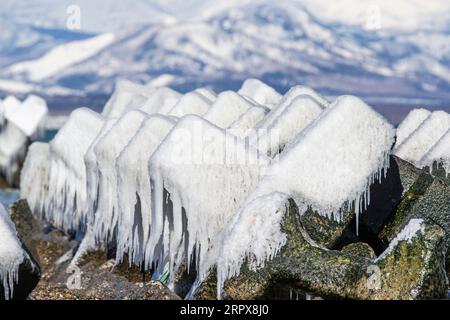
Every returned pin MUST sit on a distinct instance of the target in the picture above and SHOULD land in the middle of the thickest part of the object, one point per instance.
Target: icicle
(11, 254)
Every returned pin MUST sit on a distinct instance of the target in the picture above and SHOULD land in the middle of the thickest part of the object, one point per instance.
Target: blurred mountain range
(393, 51)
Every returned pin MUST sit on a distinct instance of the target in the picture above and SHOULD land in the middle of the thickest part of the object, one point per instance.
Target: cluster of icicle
(423, 138)
(11, 254)
(20, 124)
(203, 179)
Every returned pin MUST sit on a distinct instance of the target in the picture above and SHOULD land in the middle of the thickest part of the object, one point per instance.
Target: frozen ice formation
(191, 103)
(291, 121)
(175, 179)
(21, 124)
(134, 188)
(439, 153)
(328, 167)
(330, 164)
(11, 253)
(207, 173)
(260, 92)
(228, 108)
(34, 178)
(67, 176)
(412, 121)
(106, 150)
(421, 140)
(161, 100)
(127, 95)
(243, 126)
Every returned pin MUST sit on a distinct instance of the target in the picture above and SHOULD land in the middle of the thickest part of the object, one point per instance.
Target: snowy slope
(202, 43)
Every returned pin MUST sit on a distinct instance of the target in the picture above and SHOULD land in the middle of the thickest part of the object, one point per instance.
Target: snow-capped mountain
(218, 44)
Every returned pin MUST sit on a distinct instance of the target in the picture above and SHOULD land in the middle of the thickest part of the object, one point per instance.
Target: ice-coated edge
(127, 95)
(408, 233)
(106, 151)
(295, 117)
(439, 154)
(228, 107)
(349, 135)
(11, 253)
(34, 177)
(191, 103)
(243, 126)
(260, 92)
(200, 192)
(421, 140)
(412, 121)
(67, 178)
(133, 185)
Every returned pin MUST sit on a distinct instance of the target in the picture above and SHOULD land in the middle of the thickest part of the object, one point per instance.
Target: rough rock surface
(411, 270)
(95, 279)
(428, 198)
(29, 271)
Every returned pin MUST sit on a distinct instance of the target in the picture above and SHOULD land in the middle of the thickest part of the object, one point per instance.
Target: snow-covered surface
(162, 100)
(193, 103)
(439, 153)
(34, 177)
(207, 173)
(127, 95)
(228, 108)
(183, 181)
(13, 145)
(409, 232)
(11, 253)
(20, 124)
(412, 121)
(295, 117)
(67, 182)
(134, 187)
(30, 115)
(243, 126)
(62, 57)
(254, 236)
(106, 150)
(286, 101)
(92, 174)
(334, 161)
(260, 92)
(190, 44)
(421, 140)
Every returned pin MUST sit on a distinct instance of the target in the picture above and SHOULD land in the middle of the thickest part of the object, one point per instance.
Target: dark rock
(29, 272)
(428, 198)
(385, 195)
(359, 249)
(411, 270)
